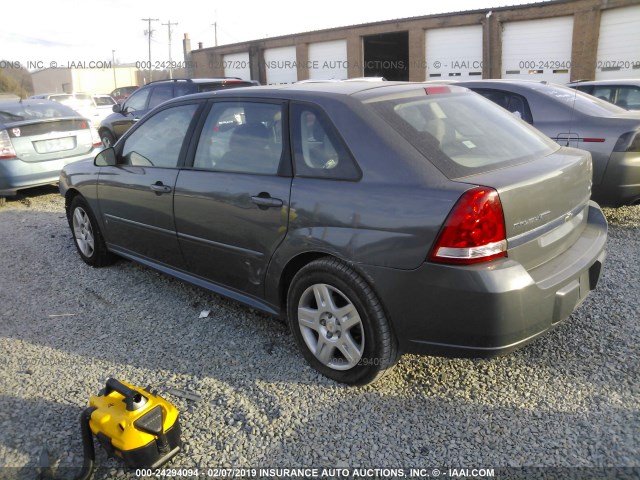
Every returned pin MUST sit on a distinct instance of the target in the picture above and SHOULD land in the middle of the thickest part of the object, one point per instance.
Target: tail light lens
(95, 136)
(628, 142)
(6, 147)
(474, 231)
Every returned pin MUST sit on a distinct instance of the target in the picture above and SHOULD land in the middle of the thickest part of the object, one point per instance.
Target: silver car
(575, 119)
(37, 139)
(624, 93)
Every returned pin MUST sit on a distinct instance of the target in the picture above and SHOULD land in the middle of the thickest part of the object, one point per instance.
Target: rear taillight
(6, 147)
(95, 136)
(628, 142)
(474, 230)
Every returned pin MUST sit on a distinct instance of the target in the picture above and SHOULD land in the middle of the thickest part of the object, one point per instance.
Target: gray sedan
(575, 119)
(378, 218)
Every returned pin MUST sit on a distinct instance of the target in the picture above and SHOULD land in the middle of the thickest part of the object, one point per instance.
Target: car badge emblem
(16, 132)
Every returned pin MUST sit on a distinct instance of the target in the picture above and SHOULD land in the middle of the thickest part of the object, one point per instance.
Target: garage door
(237, 65)
(619, 44)
(537, 49)
(280, 65)
(328, 60)
(454, 52)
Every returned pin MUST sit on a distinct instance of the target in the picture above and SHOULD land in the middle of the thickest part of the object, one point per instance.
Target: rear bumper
(487, 310)
(621, 181)
(16, 174)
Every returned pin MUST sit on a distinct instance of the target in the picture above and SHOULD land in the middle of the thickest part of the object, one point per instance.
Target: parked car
(575, 119)
(120, 94)
(153, 94)
(93, 107)
(623, 93)
(37, 138)
(380, 219)
(103, 107)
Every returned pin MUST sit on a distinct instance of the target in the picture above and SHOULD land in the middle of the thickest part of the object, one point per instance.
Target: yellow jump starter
(132, 424)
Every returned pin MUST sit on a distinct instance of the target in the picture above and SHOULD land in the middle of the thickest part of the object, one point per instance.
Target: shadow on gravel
(54, 450)
(24, 196)
(73, 325)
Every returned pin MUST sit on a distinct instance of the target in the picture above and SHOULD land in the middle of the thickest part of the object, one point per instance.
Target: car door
(136, 195)
(232, 206)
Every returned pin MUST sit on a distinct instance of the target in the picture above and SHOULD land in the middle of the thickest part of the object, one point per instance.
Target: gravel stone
(570, 399)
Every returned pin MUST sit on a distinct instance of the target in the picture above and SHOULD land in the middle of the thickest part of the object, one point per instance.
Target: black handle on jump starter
(131, 397)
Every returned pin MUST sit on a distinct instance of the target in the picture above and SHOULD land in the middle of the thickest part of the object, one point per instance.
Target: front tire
(108, 139)
(339, 323)
(87, 235)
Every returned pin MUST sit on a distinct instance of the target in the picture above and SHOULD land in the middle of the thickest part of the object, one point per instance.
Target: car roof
(337, 89)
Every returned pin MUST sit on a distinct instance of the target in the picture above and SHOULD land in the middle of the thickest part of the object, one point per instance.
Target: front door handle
(160, 188)
(265, 201)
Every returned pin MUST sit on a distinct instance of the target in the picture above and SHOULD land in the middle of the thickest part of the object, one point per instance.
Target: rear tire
(87, 235)
(339, 323)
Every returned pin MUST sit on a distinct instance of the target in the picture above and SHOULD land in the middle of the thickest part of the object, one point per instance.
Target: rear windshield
(462, 133)
(582, 102)
(17, 112)
(104, 101)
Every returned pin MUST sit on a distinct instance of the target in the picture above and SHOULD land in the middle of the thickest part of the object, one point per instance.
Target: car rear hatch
(545, 204)
(542, 190)
(42, 140)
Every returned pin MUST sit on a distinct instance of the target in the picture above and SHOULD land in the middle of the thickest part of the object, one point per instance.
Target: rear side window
(513, 102)
(242, 137)
(318, 150)
(184, 88)
(160, 93)
(462, 133)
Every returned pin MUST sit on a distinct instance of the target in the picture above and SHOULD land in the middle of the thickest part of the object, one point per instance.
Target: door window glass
(318, 150)
(241, 137)
(157, 142)
(160, 93)
(137, 101)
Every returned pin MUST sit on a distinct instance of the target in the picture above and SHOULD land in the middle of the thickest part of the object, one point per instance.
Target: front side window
(137, 101)
(243, 137)
(158, 142)
(318, 150)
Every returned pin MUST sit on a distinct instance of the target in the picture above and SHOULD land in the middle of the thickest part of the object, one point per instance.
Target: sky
(72, 31)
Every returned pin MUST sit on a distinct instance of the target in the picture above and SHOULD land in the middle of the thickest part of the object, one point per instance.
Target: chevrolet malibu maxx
(378, 218)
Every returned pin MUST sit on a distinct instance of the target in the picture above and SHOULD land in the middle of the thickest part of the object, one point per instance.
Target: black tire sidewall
(375, 356)
(99, 256)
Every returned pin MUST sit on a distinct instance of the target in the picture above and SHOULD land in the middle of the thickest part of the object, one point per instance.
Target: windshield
(17, 112)
(463, 133)
(584, 103)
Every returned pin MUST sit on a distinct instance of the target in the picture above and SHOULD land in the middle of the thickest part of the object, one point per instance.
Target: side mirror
(106, 158)
(117, 108)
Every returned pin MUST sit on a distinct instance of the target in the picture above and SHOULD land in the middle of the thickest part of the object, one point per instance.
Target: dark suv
(153, 94)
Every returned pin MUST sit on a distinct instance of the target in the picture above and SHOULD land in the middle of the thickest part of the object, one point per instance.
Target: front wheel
(339, 323)
(87, 235)
(108, 139)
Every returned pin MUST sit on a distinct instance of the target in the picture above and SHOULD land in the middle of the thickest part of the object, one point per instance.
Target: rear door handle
(160, 187)
(264, 201)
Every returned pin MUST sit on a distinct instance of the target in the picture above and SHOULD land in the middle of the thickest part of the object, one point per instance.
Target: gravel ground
(571, 399)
